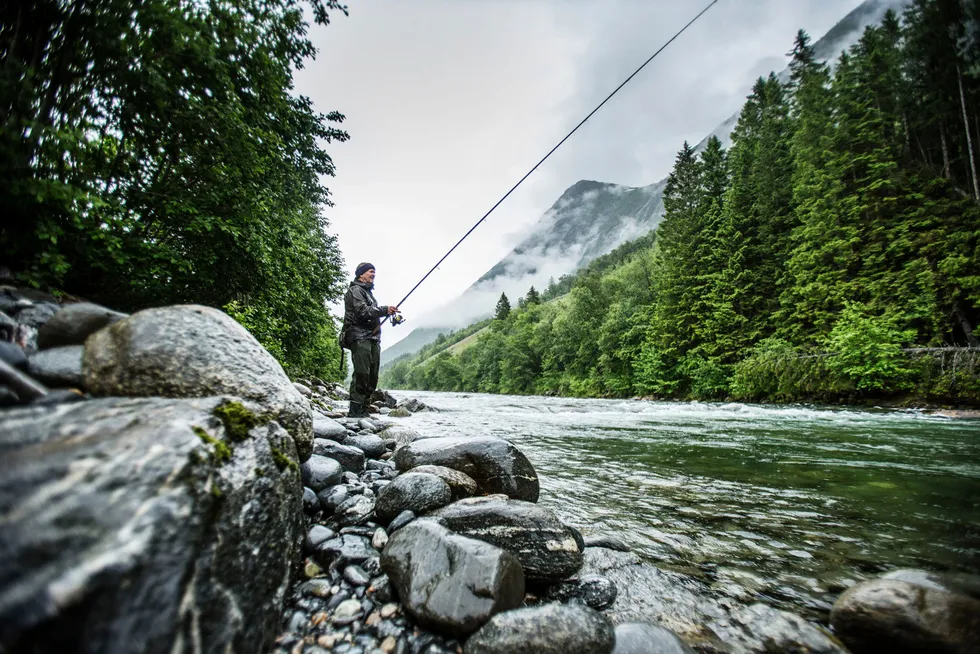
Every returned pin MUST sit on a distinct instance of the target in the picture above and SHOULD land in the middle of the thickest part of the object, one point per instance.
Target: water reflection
(788, 505)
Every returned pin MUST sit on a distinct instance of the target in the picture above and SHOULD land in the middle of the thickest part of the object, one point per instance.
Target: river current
(788, 505)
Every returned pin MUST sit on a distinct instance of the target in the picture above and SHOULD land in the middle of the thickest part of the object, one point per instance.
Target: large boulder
(142, 525)
(546, 629)
(194, 351)
(415, 492)
(73, 323)
(448, 582)
(890, 615)
(494, 464)
(546, 548)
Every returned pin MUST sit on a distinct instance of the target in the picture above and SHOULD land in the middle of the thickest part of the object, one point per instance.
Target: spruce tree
(503, 308)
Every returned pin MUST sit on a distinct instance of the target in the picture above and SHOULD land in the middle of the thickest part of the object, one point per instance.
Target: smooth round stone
(13, 355)
(320, 472)
(639, 638)
(356, 576)
(316, 537)
(355, 511)
(416, 492)
(311, 504)
(347, 609)
(371, 445)
(400, 521)
(351, 458)
(73, 323)
(379, 539)
(332, 497)
(545, 629)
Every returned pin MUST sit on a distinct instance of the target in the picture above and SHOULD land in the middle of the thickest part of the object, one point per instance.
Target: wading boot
(356, 410)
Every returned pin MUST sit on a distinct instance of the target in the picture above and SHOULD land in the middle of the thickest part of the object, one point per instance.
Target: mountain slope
(592, 218)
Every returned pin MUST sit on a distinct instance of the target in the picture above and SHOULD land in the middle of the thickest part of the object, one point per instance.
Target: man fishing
(362, 335)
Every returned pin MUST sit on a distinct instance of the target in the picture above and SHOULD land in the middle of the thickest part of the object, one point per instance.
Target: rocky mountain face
(593, 218)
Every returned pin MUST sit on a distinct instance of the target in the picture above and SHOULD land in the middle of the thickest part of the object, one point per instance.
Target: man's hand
(392, 310)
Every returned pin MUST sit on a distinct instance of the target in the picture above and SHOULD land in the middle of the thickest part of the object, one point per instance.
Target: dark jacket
(362, 315)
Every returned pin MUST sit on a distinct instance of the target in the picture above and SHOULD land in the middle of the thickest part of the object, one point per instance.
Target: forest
(829, 254)
(157, 153)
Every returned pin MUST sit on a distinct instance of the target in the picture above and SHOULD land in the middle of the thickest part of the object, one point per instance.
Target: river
(787, 505)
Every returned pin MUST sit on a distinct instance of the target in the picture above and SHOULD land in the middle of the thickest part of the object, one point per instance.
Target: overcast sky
(450, 102)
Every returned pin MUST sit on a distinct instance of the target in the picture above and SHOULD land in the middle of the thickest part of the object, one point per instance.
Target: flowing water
(787, 505)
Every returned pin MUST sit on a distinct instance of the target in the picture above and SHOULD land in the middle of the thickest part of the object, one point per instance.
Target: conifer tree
(503, 308)
(532, 297)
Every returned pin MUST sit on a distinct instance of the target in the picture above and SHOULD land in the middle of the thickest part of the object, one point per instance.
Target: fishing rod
(550, 152)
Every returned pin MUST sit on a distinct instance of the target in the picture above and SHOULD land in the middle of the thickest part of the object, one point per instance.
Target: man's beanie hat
(363, 268)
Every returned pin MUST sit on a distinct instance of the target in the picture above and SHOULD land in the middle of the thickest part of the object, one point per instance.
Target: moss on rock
(221, 451)
(238, 420)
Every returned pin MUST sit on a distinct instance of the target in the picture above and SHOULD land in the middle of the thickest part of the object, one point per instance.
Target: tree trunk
(969, 140)
(966, 327)
(947, 170)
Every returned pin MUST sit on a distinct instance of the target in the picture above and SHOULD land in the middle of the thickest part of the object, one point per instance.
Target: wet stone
(639, 638)
(546, 629)
(379, 539)
(594, 591)
(400, 521)
(311, 505)
(356, 576)
(317, 535)
(355, 511)
(332, 497)
(320, 472)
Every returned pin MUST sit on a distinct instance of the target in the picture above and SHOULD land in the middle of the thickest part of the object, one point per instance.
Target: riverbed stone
(344, 550)
(416, 492)
(73, 323)
(494, 464)
(546, 629)
(58, 367)
(639, 638)
(595, 591)
(356, 510)
(461, 485)
(135, 524)
(761, 629)
(319, 472)
(328, 428)
(954, 582)
(901, 617)
(371, 445)
(350, 458)
(193, 351)
(399, 435)
(449, 582)
(545, 547)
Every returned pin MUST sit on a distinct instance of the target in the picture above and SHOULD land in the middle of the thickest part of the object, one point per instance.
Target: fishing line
(550, 152)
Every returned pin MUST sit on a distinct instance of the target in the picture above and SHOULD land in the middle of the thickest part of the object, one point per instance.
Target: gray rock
(399, 413)
(324, 427)
(332, 497)
(60, 366)
(8, 327)
(13, 355)
(608, 541)
(355, 511)
(639, 638)
(371, 445)
(189, 351)
(319, 472)
(344, 550)
(545, 547)
(889, 615)
(494, 464)
(132, 524)
(461, 485)
(350, 458)
(761, 629)
(379, 539)
(317, 536)
(369, 425)
(448, 582)
(383, 398)
(73, 323)
(303, 389)
(399, 435)
(412, 404)
(356, 576)
(546, 629)
(595, 591)
(311, 505)
(400, 521)
(416, 492)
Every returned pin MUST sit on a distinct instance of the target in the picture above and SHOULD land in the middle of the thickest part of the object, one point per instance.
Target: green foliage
(156, 153)
(502, 309)
(831, 254)
(869, 350)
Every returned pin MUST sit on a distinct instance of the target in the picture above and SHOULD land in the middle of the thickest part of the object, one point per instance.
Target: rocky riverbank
(165, 487)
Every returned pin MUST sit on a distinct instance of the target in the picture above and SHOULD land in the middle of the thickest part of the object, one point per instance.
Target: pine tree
(503, 308)
(532, 297)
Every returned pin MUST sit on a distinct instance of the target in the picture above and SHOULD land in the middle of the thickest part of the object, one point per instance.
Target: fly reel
(397, 319)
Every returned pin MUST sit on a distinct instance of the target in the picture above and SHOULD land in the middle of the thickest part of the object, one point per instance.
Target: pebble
(379, 539)
(356, 576)
(389, 610)
(388, 645)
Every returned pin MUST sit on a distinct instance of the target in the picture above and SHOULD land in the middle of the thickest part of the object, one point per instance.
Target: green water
(786, 505)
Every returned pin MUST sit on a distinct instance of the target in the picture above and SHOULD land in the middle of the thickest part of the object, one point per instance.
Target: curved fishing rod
(550, 152)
